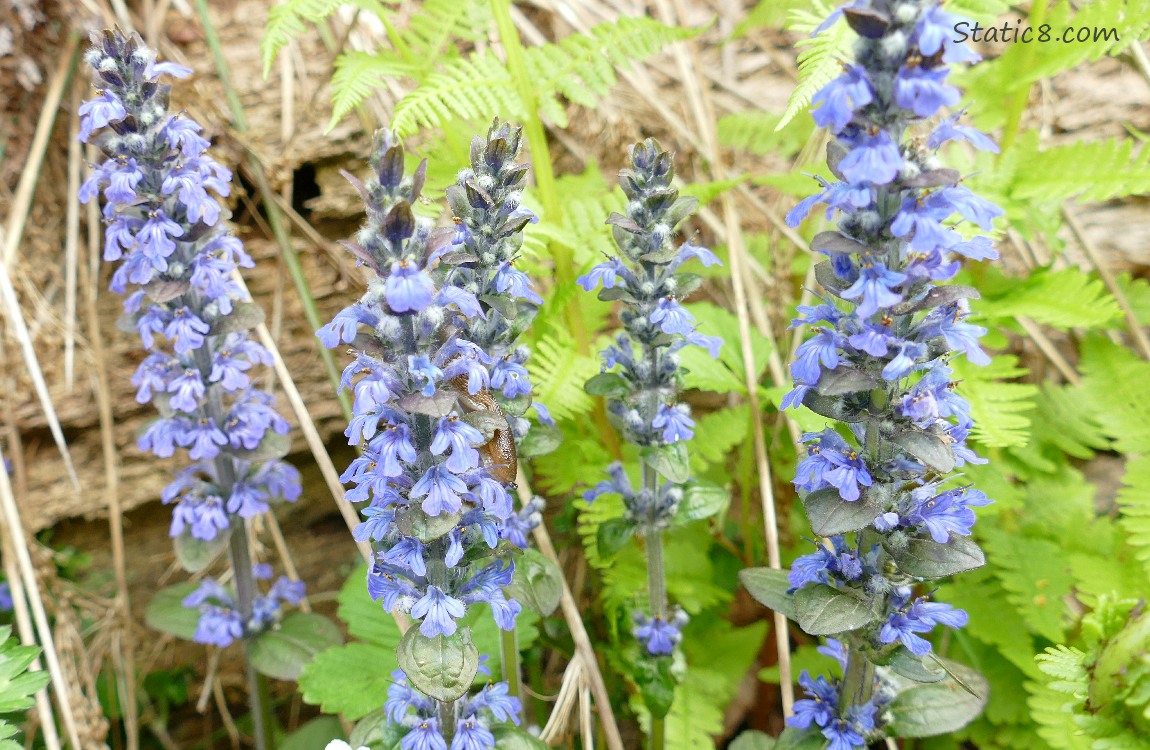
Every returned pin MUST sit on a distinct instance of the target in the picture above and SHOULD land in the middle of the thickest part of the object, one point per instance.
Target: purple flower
(675, 423)
(910, 617)
(658, 635)
(100, 112)
(874, 159)
(422, 369)
(922, 91)
(950, 130)
(438, 612)
(606, 273)
(441, 490)
(459, 436)
(185, 330)
(841, 97)
(821, 348)
(935, 31)
(424, 736)
(187, 390)
(511, 377)
(408, 552)
(515, 283)
(122, 181)
(408, 289)
(821, 705)
(671, 317)
(875, 285)
(393, 444)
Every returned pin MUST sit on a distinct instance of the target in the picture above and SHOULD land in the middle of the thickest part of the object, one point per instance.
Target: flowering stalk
(486, 203)
(878, 362)
(163, 225)
(643, 392)
(437, 509)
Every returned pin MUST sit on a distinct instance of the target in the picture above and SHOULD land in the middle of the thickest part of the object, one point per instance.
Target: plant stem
(275, 218)
(447, 720)
(245, 595)
(858, 679)
(510, 647)
(656, 582)
(1016, 103)
(657, 730)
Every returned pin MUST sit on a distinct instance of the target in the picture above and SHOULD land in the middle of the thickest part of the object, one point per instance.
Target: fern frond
(356, 75)
(979, 10)
(558, 373)
(580, 67)
(820, 57)
(1036, 577)
(758, 133)
(768, 13)
(1114, 385)
(1134, 500)
(1087, 170)
(1066, 664)
(1000, 409)
(1062, 299)
(286, 21)
(1129, 20)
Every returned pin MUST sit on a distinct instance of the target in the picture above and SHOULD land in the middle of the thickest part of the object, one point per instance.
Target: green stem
(540, 161)
(656, 578)
(274, 216)
(245, 595)
(447, 720)
(510, 646)
(858, 679)
(657, 729)
(1016, 103)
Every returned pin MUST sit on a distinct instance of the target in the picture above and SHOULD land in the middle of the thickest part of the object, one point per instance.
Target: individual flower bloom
(100, 112)
(874, 339)
(850, 732)
(511, 377)
(202, 514)
(922, 90)
(377, 525)
(658, 636)
(423, 369)
(209, 591)
(402, 698)
(459, 436)
(249, 420)
(946, 513)
(470, 734)
(508, 280)
(962, 454)
(976, 248)
(491, 494)
(947, 321)
(518, 525)
(478, 378)
(972, 208)
(838, 100)
(950, 130)
(231, 362)
(122, 181)
(675, 422)
(287, 590)
(391, 585)
(203, 437)
(218, 626)
(345, 325)
(424, 736)
(187, 389)
(841, 196)
(875, 287)
(154, 320)
(497, 699)
(439, 611)
(465, 301)
(812, 568)
(822, 348)
(711, 343)
(905, 361)
(924, 219)
(688, 251)
(155, 238)
(188, 187)
(543, 414)
(280, 479)
(821, 705)
(835, 650)
(183, 133)
(120, 237)
(935, 31)
(152, 375)
(162, 435)
(408, 552)
(671, 317)
(606, 273)
(909, 617)
(794, 397)
(874, 159)
(392, 445)
(619, 484)
(408, 288)
(848, 475)
(215, 176)
(185, 330)
(441, 490)
(247, 500)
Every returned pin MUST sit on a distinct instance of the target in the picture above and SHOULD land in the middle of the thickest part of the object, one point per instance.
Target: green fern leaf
(1001, 410)
(1087, 170)
(287, 20)
(579, 67)
(767, 13)
(356, 75)
(1036, 577)
(1113, 383)
(558, 373)
(759, 133)
(1134, 499)
(1062, 299)
(820, 57)
(979, 10)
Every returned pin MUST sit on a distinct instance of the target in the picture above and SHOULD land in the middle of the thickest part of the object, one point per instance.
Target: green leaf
(753, 739)
(769, 587)
(701, 501)
(376, 732)
(196, 554)
(915, 668)
(928, 448)
(940, 708)
(509, 737)
(166, 611)
(313, 735)
(824, 610)
(926, 558)
(337, 682)
(356, 75)
(829, 514)
(442, 667)
(656, 684)
(1061, 299)
(612, 534)
(559, 372)
(670, 461)
(540, 440)
(608, 385)
(537, 583)
(800, 739)
(283, 652)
